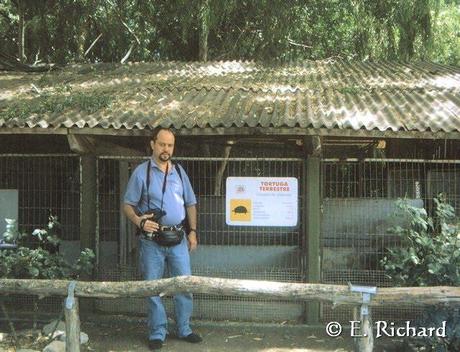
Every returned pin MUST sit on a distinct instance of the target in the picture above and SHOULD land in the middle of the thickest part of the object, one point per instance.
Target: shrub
(37, 256)
(429, 256)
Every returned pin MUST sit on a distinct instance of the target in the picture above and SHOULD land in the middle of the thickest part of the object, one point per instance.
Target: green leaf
(34, 272)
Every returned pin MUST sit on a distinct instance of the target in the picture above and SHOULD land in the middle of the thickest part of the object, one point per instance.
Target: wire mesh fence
(359, 207)
(241, 252)
(45, 184)
(358, 203)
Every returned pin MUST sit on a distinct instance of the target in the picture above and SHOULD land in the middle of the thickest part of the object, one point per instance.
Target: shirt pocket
(176, 187)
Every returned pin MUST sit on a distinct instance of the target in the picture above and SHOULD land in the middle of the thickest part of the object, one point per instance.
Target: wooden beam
(80, 144)
(238, 131)
(336, 294)
(223, 165)
(313, 146)
(126, 235)
(313, 226)
(83, 144)
(88, 201)
(72, 328)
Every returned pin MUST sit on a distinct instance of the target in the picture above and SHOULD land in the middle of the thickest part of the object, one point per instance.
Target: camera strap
(185, 222)
(163, 189)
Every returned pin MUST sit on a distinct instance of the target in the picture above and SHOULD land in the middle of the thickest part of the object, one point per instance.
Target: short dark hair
(158, 129)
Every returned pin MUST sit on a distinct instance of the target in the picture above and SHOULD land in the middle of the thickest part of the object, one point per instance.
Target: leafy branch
(429, 256)
(37, 255)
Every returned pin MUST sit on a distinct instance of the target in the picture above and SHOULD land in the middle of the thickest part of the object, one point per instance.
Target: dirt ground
(221, 337)
(128, 335)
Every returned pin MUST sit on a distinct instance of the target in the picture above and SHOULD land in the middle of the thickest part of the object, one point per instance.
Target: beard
(164, 157)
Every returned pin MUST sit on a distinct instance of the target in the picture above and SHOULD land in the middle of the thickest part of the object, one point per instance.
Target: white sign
(261, 201)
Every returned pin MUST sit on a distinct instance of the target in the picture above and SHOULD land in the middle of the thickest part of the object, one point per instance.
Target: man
(163, 188)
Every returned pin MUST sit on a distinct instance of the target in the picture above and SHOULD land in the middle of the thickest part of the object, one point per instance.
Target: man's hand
(192, 241)
(149, 225)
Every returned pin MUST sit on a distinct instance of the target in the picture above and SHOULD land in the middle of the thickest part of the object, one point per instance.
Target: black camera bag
(168, 238)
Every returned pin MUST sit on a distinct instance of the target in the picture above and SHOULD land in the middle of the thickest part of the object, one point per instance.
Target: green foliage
(446, 47)
(256, 30)
(430, 253)
(429, 256)
(37, 256)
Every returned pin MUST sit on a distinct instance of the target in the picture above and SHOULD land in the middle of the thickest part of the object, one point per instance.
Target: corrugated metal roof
(334, 95)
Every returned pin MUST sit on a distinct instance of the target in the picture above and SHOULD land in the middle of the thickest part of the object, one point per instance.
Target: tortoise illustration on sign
(240, 209)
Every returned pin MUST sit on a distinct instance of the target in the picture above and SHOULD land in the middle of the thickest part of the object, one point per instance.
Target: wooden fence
(335, 294)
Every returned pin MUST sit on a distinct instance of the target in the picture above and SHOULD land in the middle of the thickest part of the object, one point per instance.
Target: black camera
(166, 238)
(156, 214)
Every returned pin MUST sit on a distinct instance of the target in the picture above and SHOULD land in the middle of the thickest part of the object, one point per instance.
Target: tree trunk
(406, 41)
(81, 42)
(204, 14)
(337, 294)
(60, 40)
(21, 31)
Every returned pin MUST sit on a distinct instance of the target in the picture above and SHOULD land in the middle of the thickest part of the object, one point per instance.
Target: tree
(141, 30)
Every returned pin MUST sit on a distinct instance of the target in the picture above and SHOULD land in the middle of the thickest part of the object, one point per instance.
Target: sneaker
(155, 344)
(192, 338)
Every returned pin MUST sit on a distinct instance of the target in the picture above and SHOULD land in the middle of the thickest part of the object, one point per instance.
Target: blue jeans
(152, 260)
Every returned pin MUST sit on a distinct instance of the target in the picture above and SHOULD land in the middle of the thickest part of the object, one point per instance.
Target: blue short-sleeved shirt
(176, 194)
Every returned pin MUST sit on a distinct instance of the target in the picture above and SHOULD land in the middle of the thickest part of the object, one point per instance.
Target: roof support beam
(88, 201)
(313, 229)
(313, 146)
(240, 131)
(312, 220)
(82, 144)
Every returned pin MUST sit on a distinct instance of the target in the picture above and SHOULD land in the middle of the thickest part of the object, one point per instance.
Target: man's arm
(149, 225)
(130, 213)
(192, 237)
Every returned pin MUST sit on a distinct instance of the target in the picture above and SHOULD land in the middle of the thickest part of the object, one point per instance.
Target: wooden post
(313, 204)
(364, 342)
(72, 327)
(88, 202)
(10, 323)
(125, 235)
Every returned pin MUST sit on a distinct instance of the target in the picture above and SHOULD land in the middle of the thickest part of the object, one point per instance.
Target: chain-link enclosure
(359, 206)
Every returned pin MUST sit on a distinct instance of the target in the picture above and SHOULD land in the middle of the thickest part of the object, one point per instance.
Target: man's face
(163, 146)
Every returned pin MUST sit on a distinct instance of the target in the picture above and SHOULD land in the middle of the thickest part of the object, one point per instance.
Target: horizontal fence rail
(336, 294)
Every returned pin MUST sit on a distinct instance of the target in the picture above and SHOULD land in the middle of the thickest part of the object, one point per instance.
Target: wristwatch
(194, 230)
